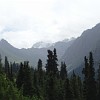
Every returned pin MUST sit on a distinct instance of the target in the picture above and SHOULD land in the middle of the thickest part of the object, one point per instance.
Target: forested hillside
(88, 41)
(22, 82)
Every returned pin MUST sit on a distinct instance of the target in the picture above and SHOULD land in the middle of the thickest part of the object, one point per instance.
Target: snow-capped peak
(42, 45)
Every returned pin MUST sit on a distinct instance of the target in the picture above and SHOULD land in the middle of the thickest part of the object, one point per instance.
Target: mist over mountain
(42, 45)
(38, 51)
(88, 41)
(71, 51)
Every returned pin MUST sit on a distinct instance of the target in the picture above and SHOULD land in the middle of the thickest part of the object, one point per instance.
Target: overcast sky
(24, 22)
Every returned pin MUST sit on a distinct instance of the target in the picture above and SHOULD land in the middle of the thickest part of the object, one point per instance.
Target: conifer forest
(20, 81)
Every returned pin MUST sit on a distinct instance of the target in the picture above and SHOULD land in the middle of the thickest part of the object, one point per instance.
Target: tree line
(23, 82)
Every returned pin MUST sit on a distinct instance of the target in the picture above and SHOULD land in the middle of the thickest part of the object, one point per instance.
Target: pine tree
(75, 86)
(50, 87)
(68, 95)
(40, 73)
(55, 64)
(52, 64)
(20, 77)
(89, 79)
(27, 85)
(7, 70)
(63, 72)
(0, 64)
(49, 65)
(39, 65)
(36, 83)
(11, 72)
(85, 72)
(98, 85)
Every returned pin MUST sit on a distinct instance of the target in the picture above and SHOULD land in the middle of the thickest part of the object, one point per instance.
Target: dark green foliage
(89, 79)
(15, 67)
(85, 72)
(24, 79)
(40, 73)
(63, 72)
(50, 87)
(0, 65)
(68, 95)
(51, 65)
(55, 59)
(9, 92)
(38, 84)
(20, 76)
(75, 86)
(39, 65)
(7, 71)
(98, 84)
(27, 82)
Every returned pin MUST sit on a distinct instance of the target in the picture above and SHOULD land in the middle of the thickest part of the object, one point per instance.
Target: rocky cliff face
(88, 41)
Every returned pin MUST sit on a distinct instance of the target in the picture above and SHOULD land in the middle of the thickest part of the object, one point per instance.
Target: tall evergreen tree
(24, 79)
(7, 70)
(39, 65)
(98, 85)
(50, 87)
(75, 86)
(89, 79)
(55, 59)
(20, 76)
(49, 65)
(52, 64)
(27, 85)
(85, 72)
(0, 64)
(11, 72)
(63, 72)
(68, 95)
(36, 83)
(40, 73)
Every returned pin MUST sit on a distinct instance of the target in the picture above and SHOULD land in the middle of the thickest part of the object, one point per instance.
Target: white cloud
(24, 22)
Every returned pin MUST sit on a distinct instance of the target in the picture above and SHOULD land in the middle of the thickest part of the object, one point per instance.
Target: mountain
(38, 51)
(88, 41)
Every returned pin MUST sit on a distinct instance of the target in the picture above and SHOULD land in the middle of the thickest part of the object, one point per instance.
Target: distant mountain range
(88, 41)
(38, 51)
(72, 51)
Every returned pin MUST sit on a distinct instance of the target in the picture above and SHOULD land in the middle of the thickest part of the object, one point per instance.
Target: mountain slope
(88, 41)
(31, 54)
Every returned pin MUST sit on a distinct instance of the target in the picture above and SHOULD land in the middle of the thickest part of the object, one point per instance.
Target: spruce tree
(7, 69)
(98, 85)
(75, 86)
(52, 64)
(40, 73)
(27, 85)
(63, 72)
(55, 59)
(39, 65)
(68, 95)
(89, 79)
(20, 76)
(49, 65)
(11, 72)
(50, 87)
(36, 83)
(85, 72)
(0, 64)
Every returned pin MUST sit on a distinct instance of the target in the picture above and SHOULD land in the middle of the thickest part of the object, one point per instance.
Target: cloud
(24, 22)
